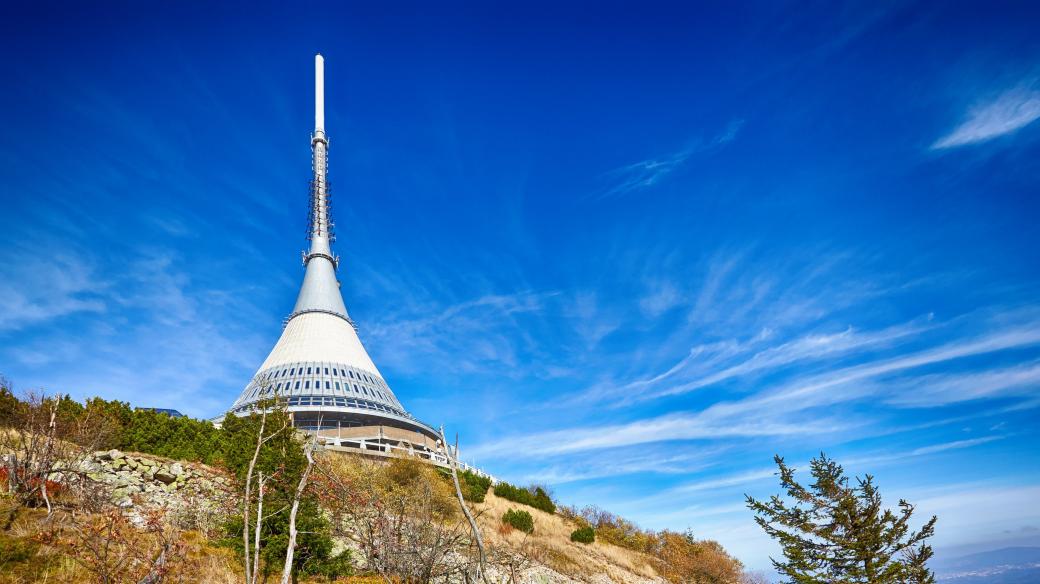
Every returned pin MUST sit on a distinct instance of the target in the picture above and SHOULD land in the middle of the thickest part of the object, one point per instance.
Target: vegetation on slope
(519, 519)
(115, 424)
(474, 487)
(584, 535)
(53, 437)
(534, 496)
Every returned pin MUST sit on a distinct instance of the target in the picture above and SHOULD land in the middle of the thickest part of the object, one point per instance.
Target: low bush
(583, 535)
(678, 557)
(519, 519)
(536, 498)
(474, 486)
(114, 424)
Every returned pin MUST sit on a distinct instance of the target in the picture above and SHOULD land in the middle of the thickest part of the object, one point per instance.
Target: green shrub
(157, 433)
(538, 499)
(583, 535)
(282, 459)
(519, 519)
(474, 486)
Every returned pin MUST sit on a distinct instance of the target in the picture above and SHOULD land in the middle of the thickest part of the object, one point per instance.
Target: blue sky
(630, 251)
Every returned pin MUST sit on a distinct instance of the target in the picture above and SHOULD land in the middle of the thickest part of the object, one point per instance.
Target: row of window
(342, 402)
(349, 378)
(291, 371)
(328, 385)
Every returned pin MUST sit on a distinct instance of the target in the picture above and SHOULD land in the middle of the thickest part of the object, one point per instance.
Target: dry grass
(50, 561)
(551, 545)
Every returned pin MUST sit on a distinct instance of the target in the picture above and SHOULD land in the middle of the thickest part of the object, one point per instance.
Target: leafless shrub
(47, 446)
(403, 518)
(109, 548)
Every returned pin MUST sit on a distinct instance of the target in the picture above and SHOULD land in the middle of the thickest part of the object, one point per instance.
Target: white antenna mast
(319, 93)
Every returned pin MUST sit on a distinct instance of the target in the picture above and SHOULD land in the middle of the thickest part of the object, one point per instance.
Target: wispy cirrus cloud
(65, 284)
(942, 389)
(796, 406)
(745, 360)
(956, 445)
(747, 477)
(647, 173)
(669, 427)
(472, 335)
(644, 174)
(637, 461)
(1010, 111)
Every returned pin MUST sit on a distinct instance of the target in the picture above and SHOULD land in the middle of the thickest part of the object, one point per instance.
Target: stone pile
(137, 479)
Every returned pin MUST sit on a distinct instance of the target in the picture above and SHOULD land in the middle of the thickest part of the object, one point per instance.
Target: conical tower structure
(319, 366)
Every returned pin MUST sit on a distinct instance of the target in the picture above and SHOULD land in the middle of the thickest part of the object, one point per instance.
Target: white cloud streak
(943, 389)
(768, 413)
(647, 173)
(1009, 112)
(806, 348)
(37, 291)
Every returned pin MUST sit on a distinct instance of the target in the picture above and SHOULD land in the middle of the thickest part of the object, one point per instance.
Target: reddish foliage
(53, 487)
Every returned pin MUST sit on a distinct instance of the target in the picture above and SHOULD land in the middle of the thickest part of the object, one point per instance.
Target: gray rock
(114, 454)
(177, 469)
(164, 475)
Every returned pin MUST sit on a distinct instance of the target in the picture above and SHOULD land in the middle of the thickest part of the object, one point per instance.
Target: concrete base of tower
(371, 435)
(383, 442)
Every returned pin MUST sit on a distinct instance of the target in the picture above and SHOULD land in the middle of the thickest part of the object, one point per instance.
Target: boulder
(164, 475)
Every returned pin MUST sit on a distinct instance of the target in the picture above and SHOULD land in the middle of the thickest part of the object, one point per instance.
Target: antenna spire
(319, 93)
(320, 291)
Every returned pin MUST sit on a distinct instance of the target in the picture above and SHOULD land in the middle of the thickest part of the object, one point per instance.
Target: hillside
(559, 558)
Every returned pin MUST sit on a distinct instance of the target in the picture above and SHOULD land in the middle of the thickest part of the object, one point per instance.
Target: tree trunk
(287, 571)
(259, 524)
(462, 502)
(245, 502)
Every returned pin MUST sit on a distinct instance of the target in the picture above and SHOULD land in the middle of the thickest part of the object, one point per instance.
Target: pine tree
(834, 533)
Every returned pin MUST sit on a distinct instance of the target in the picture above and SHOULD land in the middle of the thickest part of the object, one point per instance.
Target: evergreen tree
(282, 460)
(834, 533)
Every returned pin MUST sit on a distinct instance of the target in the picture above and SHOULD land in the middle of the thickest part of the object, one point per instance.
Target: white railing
(369, 445)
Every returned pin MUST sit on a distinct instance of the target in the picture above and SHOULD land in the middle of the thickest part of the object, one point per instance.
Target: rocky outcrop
(195, 493)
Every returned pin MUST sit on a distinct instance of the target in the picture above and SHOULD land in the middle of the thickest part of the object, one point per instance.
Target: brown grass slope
(550, 545)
